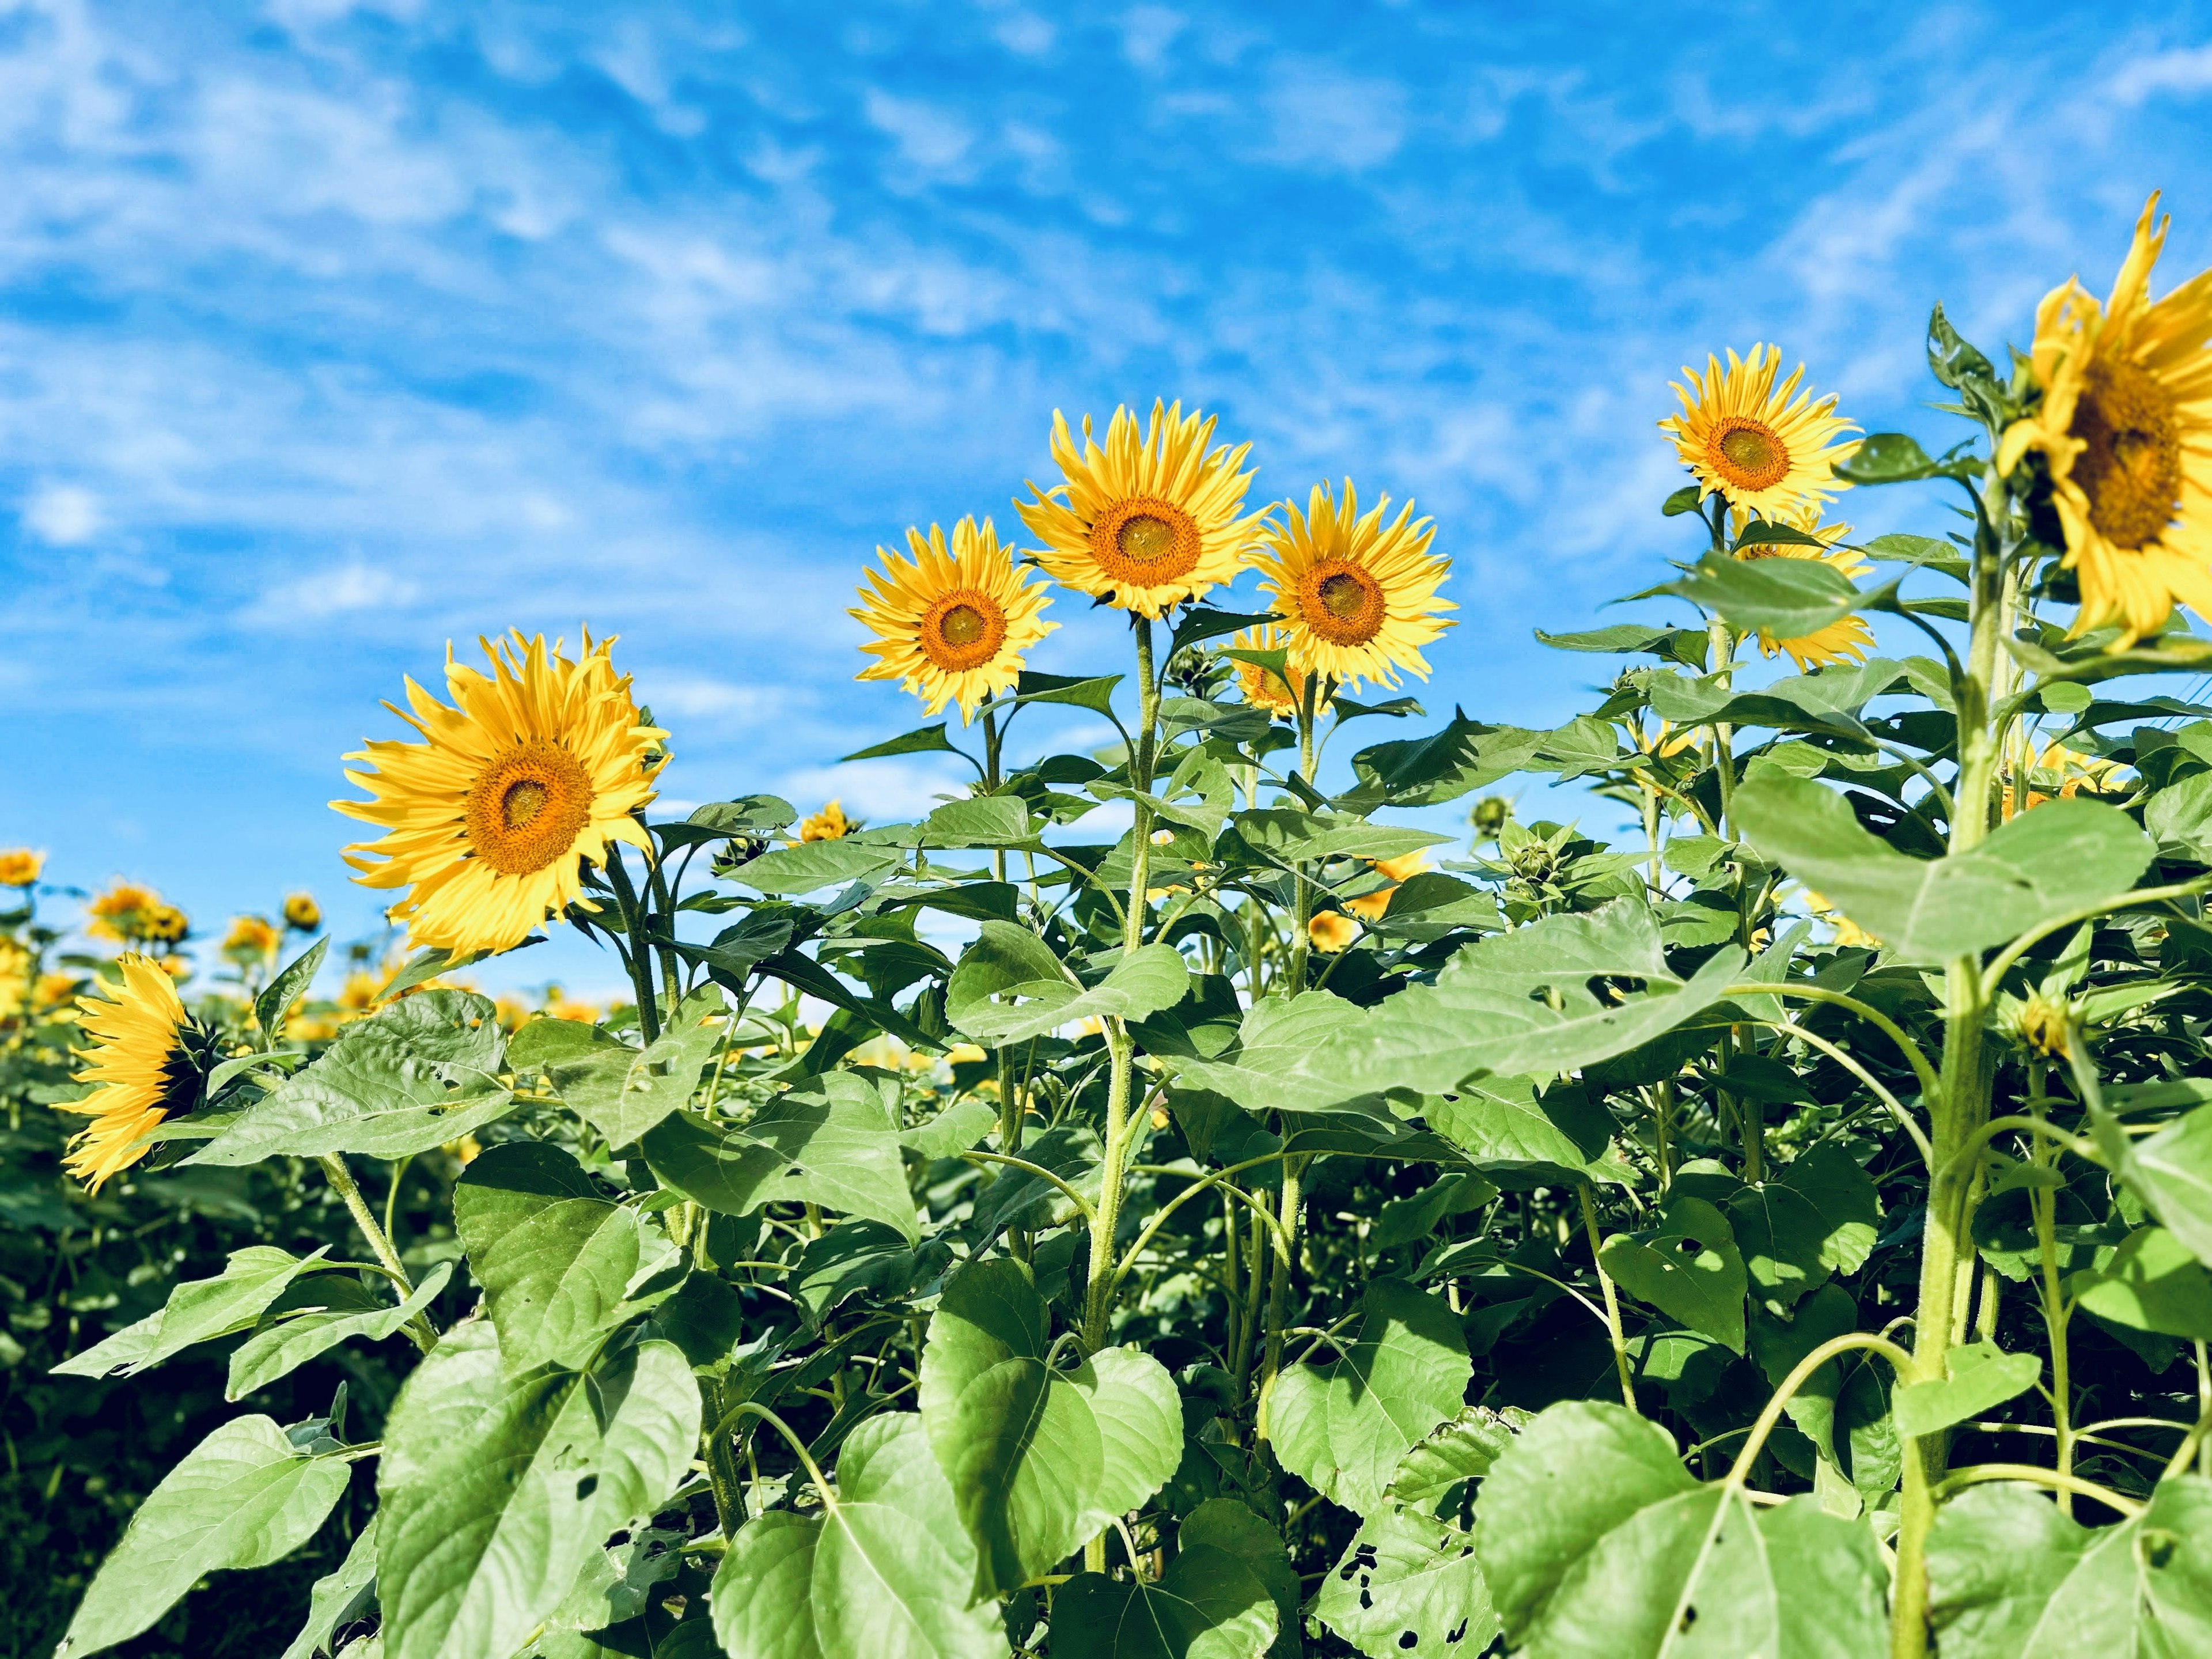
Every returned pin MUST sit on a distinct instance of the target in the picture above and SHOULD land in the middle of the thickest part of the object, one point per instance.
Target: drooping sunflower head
(1263, 688)
(2126, 425)
(951, 625)
(148, 1062)
(1149, 519)
(1847, 640)
(302, 913)
(1358, 598)
(20, 867)
(530, 774)
(1742, 435)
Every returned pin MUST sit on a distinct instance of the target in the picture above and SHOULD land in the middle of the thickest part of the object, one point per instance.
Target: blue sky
(329, 333)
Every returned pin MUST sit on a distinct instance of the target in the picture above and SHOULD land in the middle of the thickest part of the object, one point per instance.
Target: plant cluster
(1783, 1233)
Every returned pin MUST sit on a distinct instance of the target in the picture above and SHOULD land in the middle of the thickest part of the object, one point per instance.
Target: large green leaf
(1463, 1450)
(2152, 1283)
(2172, 1169)
(553, 1254)
(415, 1075)
(1595, 1541)
(197, 1311)
(830, 1143)
(1010, 987)
(244, 1497)
(1279, 1038)
(339, 1598)
(885, 1571)
(278, 1349)
(2063, 856)
(1505, 1128)
(814, 864)
(494, 1490)
(1220, 1598)
(2010, 1578)
(1787, 598)
(1289, 836)
(1687, 1266)
(1782, 1241)
(1406, 1576)
(1344, 1427)
(1039, 1459)
(1981, 1375)
(623, 1091)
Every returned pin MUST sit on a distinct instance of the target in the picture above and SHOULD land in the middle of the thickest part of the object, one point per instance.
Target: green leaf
(1210, 1604)
(829, 1143)
(1344, 1427)
(1096, 693)
(1787, 598)
(494, 1491)
(244, 1496)
(1002, 993)
(1199, 625)
(1688, 1267)
(1783, 1240)
(1279, 1038)
(414, 1076)
(922, 740)
(1844, 1196)
(1594, 1540)
(956, 1129)
(2151, 1284)
(883, 1572)
(1982, 1375)
(288, 988)
(339, 1598)
(1886, 458)
(816, 863)
(1462, 1449)
(622, 1092)
(197, 1311)
(1463, 757)
(553, 1254)
(1401, 1220)
(1685, 500)
(2064, 855)
(1293, 837)
(1403, 1575)
(979, 821)
(1506, 1129)
(2010, 1578)
(279, 1349)
(2172, 1169)
(1039, 1459)
(850, 1258)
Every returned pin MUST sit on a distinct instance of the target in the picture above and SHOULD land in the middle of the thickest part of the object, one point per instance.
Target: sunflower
(830, 824)
(1371, 907)
(15, 964)
(1263, 688)
(1847, 640)
(1332, 932)
(1741, 434)
(253, 938)
(534, 771)
(122, 911)
(147, 1063)
(951, 626)
(302, 913)
(1848, 934)
(20, 867)
(2126, 425)
(1359, 598)
(1144, 523)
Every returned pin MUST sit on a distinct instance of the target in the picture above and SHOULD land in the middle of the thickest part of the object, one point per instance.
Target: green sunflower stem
(343, 1183)
(1301, 883)
(632, 946)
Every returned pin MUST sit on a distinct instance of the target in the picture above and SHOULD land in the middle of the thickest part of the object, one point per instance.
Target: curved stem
(1080, 1202)
(1959, 1480)
(1611, 1300)
(1900, 1361)
(419, 1329)
(1994, 975)
(754, 1408)
(1850, 1064)
(1129, 1261)
(1931, 1084)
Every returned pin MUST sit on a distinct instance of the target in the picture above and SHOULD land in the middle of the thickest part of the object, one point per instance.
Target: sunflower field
(1276, 1228)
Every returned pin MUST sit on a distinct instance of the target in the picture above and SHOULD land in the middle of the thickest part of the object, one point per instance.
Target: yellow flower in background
(1848, 933)
(145, 1065)
(302, 913)
(55, 990)
(2126, 425)
(1741, 434)
(534, 771)
(1358, 598)
(559, 1006)
(165, 924)
(2060, 773)
(121, 913)
(254, 938)
(178, 968)
(1371, 907)
(512, 1014)
(1263, 688)
(965, 1054)
(830, 824)
(1145, 522)
(1847, 640)
(358, 994)
(1330, 932)
(951, 625)
(20, 867)
(14, 978)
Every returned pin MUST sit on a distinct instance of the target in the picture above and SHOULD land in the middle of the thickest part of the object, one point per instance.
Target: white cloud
(350, 588)
(2185, 71)
(1322, 117)
(893, 790)
(63, 515)
(1026, 35)
(930, 138)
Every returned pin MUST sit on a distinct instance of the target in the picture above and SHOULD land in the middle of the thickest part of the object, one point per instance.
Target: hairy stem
(342, 1183)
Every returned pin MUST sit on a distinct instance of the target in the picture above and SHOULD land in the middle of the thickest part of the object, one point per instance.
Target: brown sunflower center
(2129, 466)
(528, 807)
(963, 630)
(1145, 542)
(1342, 604)
(1748, 454)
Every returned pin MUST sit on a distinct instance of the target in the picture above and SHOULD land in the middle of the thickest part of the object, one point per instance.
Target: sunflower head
(1263, 688)
(124, 913)
(1331, 931)
(2125, 427)
(20, 867)
(1743, 436)
(1356, 597)
(1847, 640)
(532, 772)
(951, 625)
(1147, 520)
(830, 824)
(251, 939)
(15, 970)
(148, 1061)
(302, 913)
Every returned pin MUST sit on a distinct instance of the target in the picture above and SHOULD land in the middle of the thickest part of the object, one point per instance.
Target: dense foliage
(1785, 1233)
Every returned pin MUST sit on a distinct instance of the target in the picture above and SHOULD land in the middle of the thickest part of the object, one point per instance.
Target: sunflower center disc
(1344, 597)
(519, 807)
(1146, 540)
(964, 625)
(1755, 454)
(2130, 462)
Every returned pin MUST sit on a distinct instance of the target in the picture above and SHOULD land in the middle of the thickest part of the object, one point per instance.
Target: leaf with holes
(623, 1091)
(1688, 1267)
(1402, 1576)
(553, 1254)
